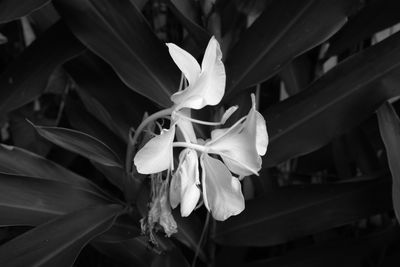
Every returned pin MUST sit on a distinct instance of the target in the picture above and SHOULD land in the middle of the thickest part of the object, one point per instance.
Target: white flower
(206, 85)
(240, 147)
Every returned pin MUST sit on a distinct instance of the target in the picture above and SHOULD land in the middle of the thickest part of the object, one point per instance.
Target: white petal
(209, 88)
(255, 122)
(175, 190)
(185, 62)
(262, 134)
(213, 73)
(186, 126)
(221, 192)
(228, 113)
(239, 153)
(189, 172)
(183, 188)
(156, 155)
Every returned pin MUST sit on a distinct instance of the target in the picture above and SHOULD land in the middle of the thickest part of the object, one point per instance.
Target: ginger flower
(231, 153)
(240, 148)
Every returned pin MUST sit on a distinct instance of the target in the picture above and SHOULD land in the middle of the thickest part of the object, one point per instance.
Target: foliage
(328, 193)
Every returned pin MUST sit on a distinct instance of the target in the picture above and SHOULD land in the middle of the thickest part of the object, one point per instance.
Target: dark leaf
(106, 97)
(80, 143)
(133, 252)
(58, 242)
(186, 12)
(335, 103)
(10, 10)
(124, 228)
(376, 16)
(118, 33)
(284, 30)
(14, 160)
(296, 211)
(26, 78)
(389, 126)
(81, 120)
(189, 232)
(343, 252)
(31, 201)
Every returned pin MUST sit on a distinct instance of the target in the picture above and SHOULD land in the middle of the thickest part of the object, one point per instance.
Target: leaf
(26, 77)
(284, 30)
(296, 211)
(185, 12)
(124, 228)
(389, 127)
(106, 97)
(10, 10)
(80, 143)
(118, 32)
(133, 252)
(81, 120)
(342, 252)
(376, 16)
(58, 242)
(337, 102)
(14, 160)
(189, 232)
(31, 201)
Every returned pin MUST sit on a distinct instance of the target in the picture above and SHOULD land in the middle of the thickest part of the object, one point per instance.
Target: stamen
(198, 121)
(197, 147)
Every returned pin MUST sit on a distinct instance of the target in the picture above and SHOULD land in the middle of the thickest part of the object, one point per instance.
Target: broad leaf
(296, 211)
(10, 9)
(389, 126)
(376, 16)
(133, 252)
(186, 13)
(118, 32)
(349, 251)
(26, 77)
(80, 143)
(284, 30)
(14, 160)
(106, 97)
(58, 242)
(31, 201)
(337, 102)
(83, 121)
(189, 232)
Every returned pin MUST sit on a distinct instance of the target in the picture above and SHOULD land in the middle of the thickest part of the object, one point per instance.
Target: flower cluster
(211, 168)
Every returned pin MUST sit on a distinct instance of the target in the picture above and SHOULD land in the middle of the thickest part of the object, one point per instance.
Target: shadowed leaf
(337, 102)
(58, 242)
(389, 126)
(296, 211)
(118, 32)
(31, 201)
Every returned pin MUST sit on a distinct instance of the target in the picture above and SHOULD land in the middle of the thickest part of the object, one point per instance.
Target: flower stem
(191, 145)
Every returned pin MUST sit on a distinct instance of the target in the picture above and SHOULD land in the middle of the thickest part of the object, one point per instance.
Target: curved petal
(156, 155)
(255, 122)
(209, 88)
(222, 193)
(183, 188)
(185, 62)
(239, 153)
(262, 134)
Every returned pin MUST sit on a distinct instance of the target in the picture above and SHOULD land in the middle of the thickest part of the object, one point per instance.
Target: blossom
(230, 153)
(206, 84)
(206, 87)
